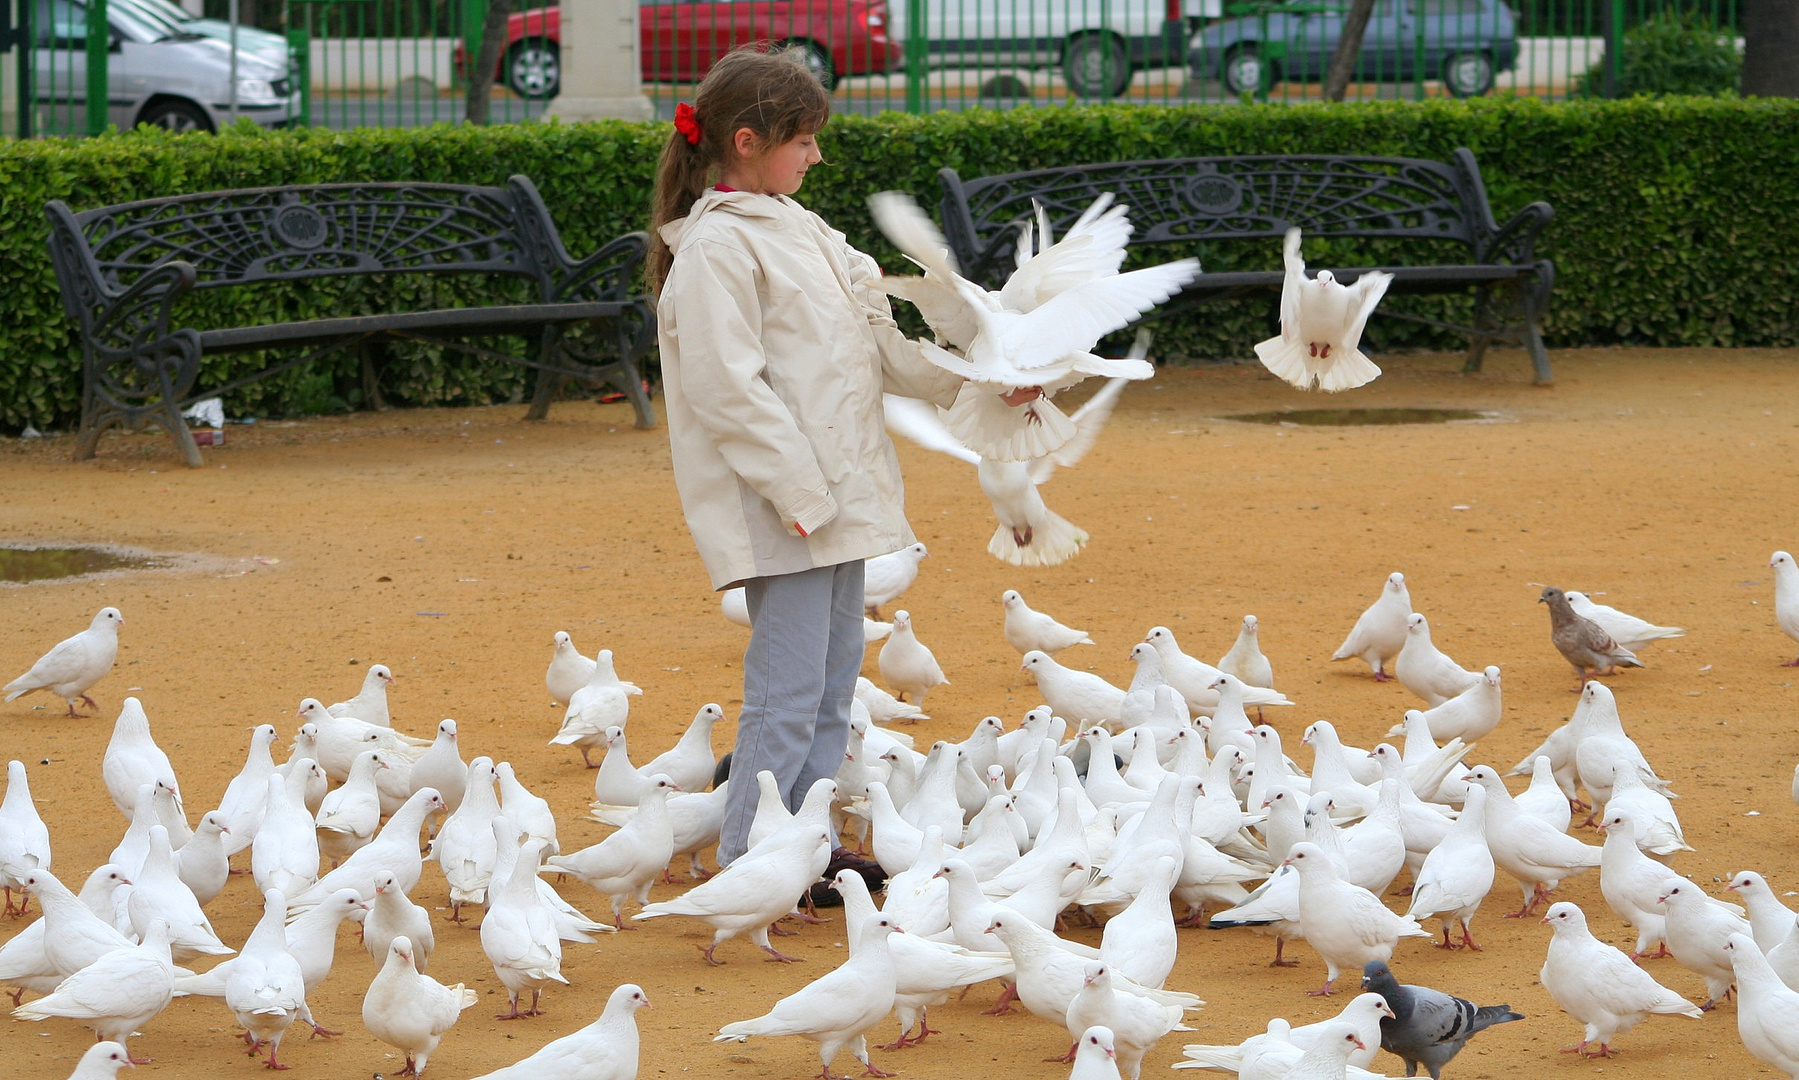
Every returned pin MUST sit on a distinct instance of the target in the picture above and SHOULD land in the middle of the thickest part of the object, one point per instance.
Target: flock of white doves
(1137, 804)
(1039, 330)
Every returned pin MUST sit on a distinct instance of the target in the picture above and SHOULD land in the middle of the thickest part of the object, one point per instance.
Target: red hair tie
(687, 123)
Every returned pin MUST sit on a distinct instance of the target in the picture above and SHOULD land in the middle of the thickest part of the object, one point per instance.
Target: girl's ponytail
(770, 92)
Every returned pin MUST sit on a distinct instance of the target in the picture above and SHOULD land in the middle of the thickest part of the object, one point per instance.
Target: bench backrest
(1222, 198)
(323, 230)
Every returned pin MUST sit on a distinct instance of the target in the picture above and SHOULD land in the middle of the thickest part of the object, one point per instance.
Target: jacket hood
(742, 203)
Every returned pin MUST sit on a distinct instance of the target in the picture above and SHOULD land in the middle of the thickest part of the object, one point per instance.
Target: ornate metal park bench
(1200, 200)
(122, 269)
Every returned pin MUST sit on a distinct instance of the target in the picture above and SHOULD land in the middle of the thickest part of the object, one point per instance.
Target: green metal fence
(348, 63)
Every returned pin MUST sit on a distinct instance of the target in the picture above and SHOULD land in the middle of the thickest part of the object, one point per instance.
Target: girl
(775, 352)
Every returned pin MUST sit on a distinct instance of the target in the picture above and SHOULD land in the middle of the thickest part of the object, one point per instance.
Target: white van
(1098, 44)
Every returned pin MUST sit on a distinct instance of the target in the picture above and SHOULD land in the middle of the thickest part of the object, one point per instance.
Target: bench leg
(368, 352)
(1539, 356)
(630, 380)
(1483, 320)
(169, 416)
(548, 382)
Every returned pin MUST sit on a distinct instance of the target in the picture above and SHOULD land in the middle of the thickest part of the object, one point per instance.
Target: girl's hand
(1022, 396)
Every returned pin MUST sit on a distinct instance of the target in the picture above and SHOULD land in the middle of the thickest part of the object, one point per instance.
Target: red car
(680, 40)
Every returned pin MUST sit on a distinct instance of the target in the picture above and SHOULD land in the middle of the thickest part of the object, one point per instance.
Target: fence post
(1614, 47)
(99, 42)
(474, 17)
(915, 55)
(299, 53)
(25, 70)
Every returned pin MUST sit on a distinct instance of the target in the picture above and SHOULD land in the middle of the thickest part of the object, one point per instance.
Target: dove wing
(1089, 420)
(1072, 321)
(914, 233)
(1291, 286)
(1363, 296)
(61, 664)
(1094, 248)
(942, 306)
(920, 422)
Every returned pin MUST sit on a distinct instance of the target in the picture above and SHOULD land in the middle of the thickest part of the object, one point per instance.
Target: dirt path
(451, 544)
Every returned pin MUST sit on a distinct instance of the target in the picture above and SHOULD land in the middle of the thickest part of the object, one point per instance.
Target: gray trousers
(799, 677)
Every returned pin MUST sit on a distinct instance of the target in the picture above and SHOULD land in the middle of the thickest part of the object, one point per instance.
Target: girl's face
(778, 170)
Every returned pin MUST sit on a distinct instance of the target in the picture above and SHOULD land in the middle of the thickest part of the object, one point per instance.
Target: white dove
(603, 1050)
(1698, 929)
(24, 839)
(907, 664)
(568, 670)
(1600, 986)
(1193, 677)
(625, 864)
(1245, 659)
(1786, 597)
(1625, 629)
(571, 923)
(1080, 696)
(101, 1061)
(349, 816)
(885, 577)
(395, 849)
(1426, 670)
(464, 846)
(1468, 715)
(1534, 852)
(157, 895)
(1767, 1010)
(285, 854)
(1364, 1011)
(202, 864)
(246, 796)
(1457, 874)
(603, 703)
(1319, 318)
(441, 767)
(519, 935)
(1027, 629)
(118, 993)
(75, 663)
(409, 1011)
(392, 914)
(370, 703)
(1347, 924)
(884, 708)
(24, 959)
(1770, 920)
(1047, 346)
(1380, 633)
(1631, 883)
(133, 759)
(529, 812)
(690, 763)
(305, 747)
(340, 738)
(756, 889)
(1136, 1022)
(838, 1009)
(1095, 1056)
(266, 990)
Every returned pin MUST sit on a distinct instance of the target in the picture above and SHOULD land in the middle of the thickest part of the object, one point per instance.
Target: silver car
(158, 72)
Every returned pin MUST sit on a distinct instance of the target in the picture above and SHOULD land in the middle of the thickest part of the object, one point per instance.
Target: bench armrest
(1516, 240)
(136, 320)
(608, 274)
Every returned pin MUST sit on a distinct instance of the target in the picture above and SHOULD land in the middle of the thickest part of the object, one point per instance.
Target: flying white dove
(1380, 633)
(603, 1050)
(409, 1011)
(75, 663)
(370, 703)
(1598, 985)
(1320, 318)
(1047, 346)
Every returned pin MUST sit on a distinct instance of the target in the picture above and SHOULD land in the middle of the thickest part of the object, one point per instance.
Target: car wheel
(534, 68)
(1096, 66)
(817, 61)
(174, 114)
(1468, 74)
(1242, 71)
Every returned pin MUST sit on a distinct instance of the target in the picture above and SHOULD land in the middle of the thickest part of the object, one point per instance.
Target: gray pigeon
(1581, 641)
(1428, 1027)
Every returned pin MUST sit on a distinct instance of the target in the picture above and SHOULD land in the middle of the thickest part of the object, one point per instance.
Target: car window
(163, 9)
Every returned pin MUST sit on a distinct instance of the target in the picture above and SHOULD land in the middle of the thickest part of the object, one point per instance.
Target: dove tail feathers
(999, 432)
(18, 693)
(1051, 543)
(1292, 363)
(1487, 1015)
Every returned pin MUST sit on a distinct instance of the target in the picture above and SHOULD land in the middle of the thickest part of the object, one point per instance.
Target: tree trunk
(493, 42)
(1349, 49)
(1770, 43)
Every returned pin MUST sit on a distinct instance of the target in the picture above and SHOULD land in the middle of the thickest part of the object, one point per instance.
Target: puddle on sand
(1361, 417)
(22, 564)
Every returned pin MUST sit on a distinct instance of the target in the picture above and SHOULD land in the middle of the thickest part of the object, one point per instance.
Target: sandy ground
(452, 544)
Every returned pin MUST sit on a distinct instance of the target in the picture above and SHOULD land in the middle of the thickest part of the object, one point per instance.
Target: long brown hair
(771, 92)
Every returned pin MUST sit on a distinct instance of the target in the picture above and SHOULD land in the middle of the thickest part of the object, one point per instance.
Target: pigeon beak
(1359, 1044)
(1544, 919)
(1732, 887)
(990, 928)
(225, 830)
(366, 906)
(1286, 862)
(1111, 1053)
(1601, 828)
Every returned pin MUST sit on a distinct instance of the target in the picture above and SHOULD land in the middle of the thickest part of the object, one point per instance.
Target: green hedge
(1676, 219)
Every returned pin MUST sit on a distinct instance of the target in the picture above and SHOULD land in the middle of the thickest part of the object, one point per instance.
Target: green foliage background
(1676, 218)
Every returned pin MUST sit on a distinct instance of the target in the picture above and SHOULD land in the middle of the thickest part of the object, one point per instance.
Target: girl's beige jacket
(775, 353)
